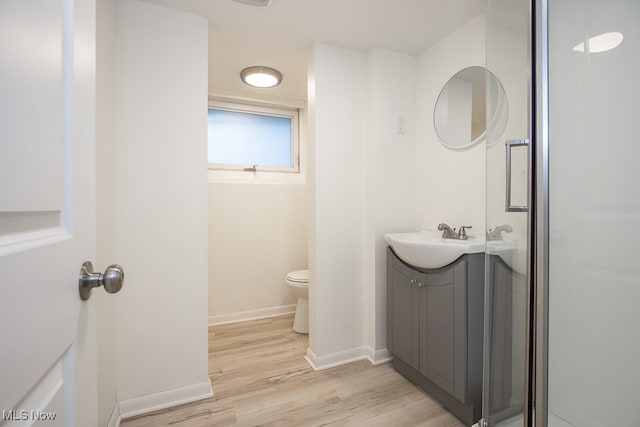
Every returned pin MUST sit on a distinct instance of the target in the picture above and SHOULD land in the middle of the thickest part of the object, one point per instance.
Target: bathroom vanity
(435, 327)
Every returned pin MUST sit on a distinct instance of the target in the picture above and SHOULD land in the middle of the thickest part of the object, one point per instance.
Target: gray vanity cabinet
(404, 317)
(434, 329)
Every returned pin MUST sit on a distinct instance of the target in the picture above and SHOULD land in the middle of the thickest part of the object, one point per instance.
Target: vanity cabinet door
(403, 332)
(443, 347)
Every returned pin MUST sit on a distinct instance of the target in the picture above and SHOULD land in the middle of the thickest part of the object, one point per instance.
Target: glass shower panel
(594, 212)
(506, 283)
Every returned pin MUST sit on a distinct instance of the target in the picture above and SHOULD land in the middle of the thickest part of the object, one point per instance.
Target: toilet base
(301, 319)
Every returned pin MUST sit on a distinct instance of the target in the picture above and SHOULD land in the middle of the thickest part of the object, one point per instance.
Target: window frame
(273, 111)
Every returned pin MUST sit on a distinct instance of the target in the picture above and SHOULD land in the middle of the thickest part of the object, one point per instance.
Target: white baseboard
(320, 363)
(375, 357)
(378, 357)
(165, 399)
(115, 418)
(259, 313)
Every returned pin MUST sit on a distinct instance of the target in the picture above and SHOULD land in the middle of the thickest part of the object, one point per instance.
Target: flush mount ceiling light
(601, 43)
(260, 3)
(261, 76)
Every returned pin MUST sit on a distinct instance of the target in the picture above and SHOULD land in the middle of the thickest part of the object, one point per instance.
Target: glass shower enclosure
(562, 326)
(507, 281)
(591, 280)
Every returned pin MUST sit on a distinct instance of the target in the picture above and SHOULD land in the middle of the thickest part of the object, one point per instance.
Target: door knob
(111, 280)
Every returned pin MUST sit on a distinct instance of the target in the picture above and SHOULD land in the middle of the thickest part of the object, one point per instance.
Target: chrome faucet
(449, 233)
(496, 233)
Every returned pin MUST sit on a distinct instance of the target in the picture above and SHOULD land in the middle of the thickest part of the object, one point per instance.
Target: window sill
(241, 177)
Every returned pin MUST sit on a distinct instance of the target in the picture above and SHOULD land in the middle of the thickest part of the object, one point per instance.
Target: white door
(47, 210)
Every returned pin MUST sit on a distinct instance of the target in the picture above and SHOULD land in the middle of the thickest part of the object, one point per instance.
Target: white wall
(160, 203)
(257, 234)
(337, 179)
(105, 174)
(391, 185)
(450, 184)
(362, 185)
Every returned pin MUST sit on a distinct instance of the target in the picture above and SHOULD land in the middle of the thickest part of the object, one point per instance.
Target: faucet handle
(462, 233)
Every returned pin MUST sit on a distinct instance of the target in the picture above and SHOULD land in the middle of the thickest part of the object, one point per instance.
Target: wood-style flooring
(260, 378)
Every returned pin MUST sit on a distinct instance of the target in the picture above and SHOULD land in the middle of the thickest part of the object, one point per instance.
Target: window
(243, 137)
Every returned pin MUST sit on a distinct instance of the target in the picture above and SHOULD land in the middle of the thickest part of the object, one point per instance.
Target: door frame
(539, 339)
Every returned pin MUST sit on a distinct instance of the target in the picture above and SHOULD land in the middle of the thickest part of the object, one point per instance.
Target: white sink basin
(428, 249)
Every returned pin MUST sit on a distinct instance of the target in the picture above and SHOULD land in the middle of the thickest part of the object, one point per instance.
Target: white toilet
(298, 282)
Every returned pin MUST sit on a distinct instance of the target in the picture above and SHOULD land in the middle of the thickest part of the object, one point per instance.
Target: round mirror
(470, 97)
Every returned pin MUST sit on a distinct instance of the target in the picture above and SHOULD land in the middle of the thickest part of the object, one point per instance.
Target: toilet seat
(299, 276)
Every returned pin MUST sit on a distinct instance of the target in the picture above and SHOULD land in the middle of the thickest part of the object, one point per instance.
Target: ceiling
(281, 35)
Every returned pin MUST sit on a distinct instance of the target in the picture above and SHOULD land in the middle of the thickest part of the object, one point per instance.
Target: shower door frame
(535, 410)
(540, 178)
